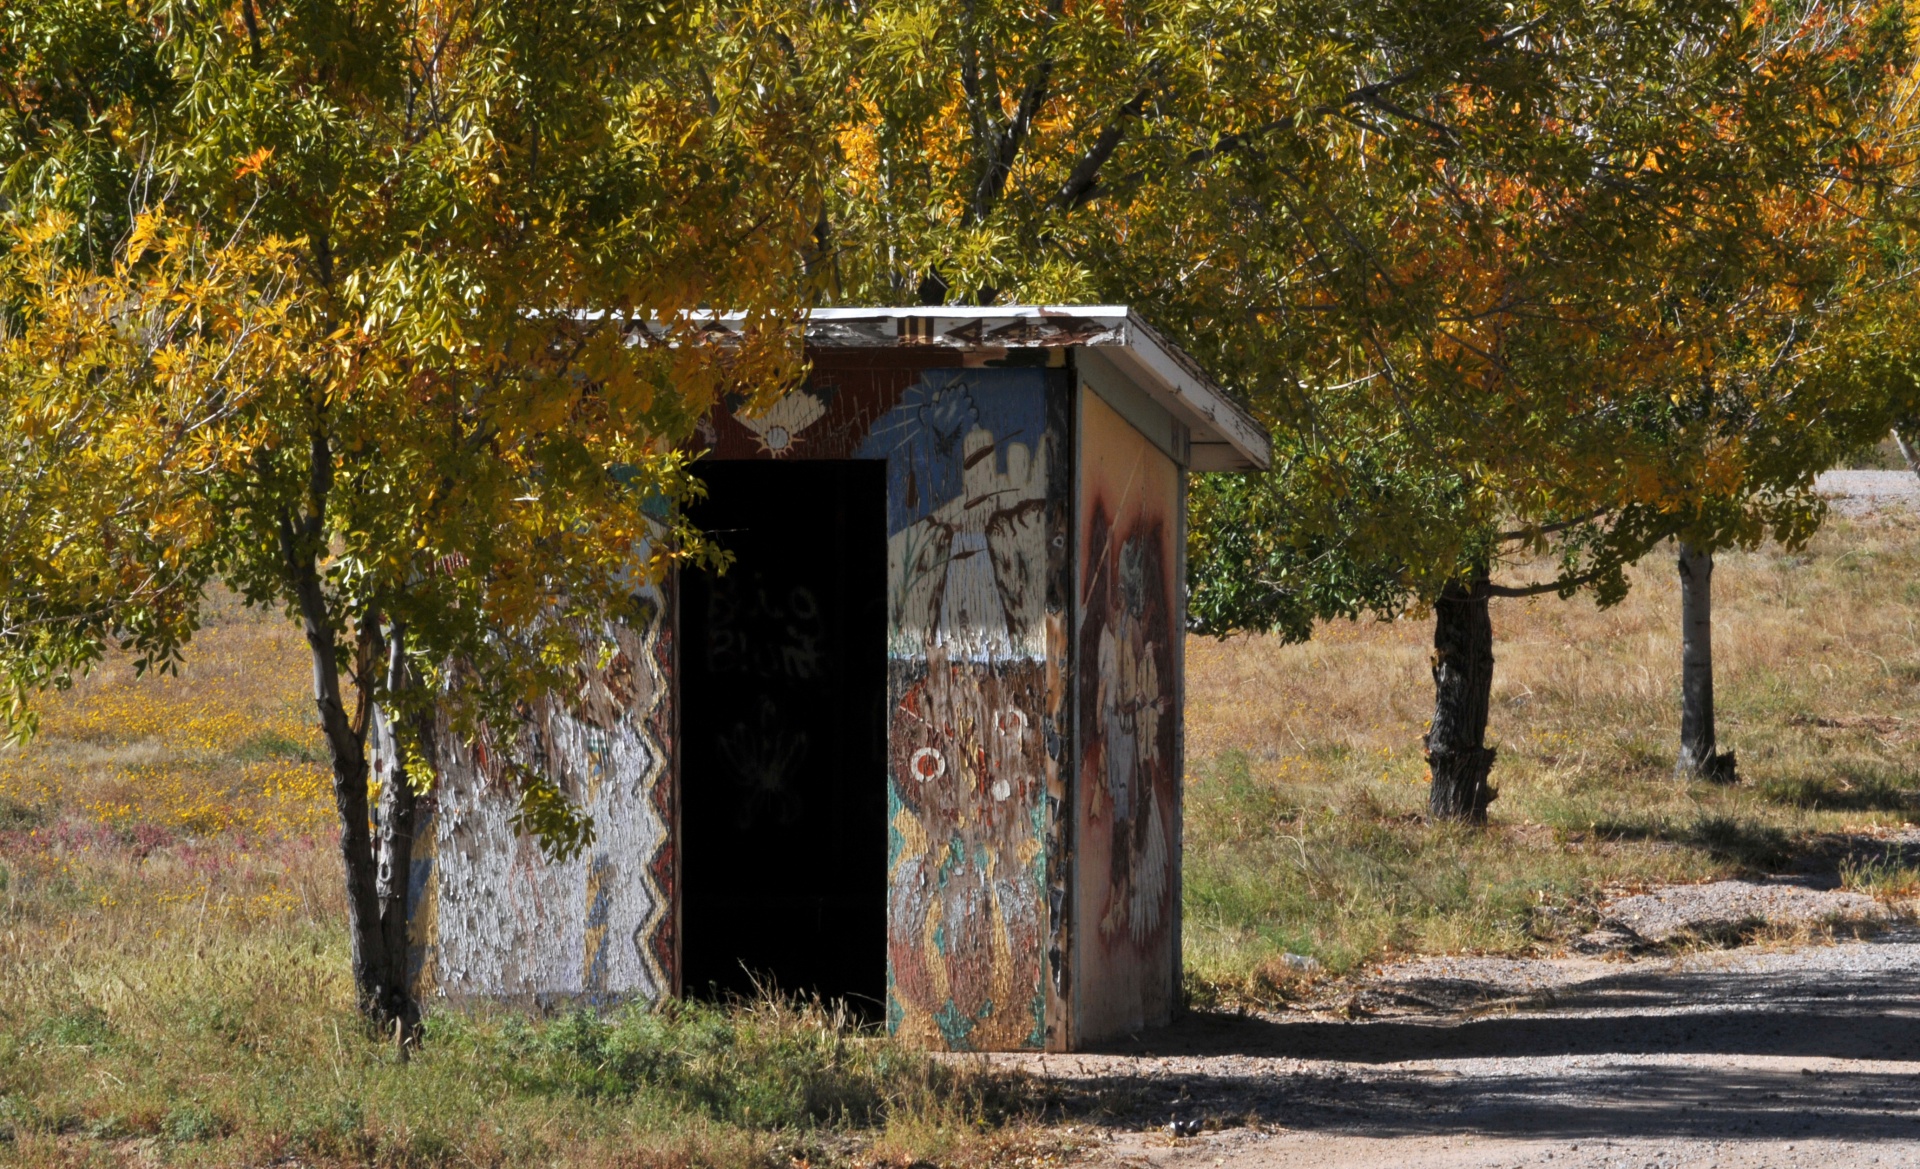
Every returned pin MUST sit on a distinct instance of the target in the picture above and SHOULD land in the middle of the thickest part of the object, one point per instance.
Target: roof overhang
(1224, 436)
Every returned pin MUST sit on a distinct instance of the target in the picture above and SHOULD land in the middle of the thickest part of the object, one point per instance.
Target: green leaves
(546, 814)
(355, 290)
(1485, 267)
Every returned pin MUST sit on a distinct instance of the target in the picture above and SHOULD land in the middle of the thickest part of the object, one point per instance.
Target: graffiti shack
(920, 747)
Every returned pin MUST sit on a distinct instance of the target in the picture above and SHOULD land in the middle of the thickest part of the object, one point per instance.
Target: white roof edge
(966, 312)
(1165, 370)
(1225, 436)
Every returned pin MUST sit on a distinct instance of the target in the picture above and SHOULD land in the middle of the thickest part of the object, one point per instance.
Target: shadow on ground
(1822, 1042)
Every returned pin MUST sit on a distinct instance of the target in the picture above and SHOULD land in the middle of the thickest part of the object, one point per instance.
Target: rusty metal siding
(1126, 830)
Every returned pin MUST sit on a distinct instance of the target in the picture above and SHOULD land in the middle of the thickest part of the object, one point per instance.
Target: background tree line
(339, 303)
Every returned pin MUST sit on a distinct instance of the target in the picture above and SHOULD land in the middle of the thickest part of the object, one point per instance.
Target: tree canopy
(385, 314)
(389, 314)
(1577, 271)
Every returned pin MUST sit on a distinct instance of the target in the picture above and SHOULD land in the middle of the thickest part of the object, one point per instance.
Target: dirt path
(1746, 1058)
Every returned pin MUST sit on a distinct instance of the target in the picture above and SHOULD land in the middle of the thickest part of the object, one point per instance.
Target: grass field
(173, 979)
(174, 985)
(1306, 784)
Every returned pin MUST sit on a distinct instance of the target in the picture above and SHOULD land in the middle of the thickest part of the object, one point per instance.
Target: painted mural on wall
(976, 539)
(966, 454)
(491, 914)
(1126, 838)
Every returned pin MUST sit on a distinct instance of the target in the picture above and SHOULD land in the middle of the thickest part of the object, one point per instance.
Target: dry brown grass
(174, 983)
(1307, 785)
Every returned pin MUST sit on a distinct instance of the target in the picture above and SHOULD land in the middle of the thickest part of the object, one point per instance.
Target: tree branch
(1081, 183)
(1542, 588)
(253, 31)
(1006, 144)
(1549, 529)
(1369, 95)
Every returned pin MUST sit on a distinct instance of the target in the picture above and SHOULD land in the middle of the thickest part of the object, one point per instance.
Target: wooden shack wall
(1129, 623)
(491, 915)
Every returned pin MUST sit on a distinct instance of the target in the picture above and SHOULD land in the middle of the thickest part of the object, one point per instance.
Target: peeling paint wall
(494, 917)
(1126, 830)
(967, 457)
(980, 535)
(977, 518)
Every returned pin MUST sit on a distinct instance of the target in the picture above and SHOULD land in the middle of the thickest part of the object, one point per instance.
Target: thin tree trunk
(1907, 452)
(393, 864)
(1458, 759)
(300, 546)
(1698, 759)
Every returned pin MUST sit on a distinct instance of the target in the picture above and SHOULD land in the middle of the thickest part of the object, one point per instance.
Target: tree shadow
(1753, 847)
(1847, 789)
(1644, 1053)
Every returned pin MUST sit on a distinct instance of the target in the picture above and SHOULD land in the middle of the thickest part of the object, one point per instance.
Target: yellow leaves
(421, 324)
(146, 228)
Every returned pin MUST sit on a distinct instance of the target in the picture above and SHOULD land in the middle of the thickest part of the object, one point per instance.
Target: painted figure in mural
(1132, 704)
(964, 564)
(966, 569)
(966, 573)
(1127, 724)
(777, 430)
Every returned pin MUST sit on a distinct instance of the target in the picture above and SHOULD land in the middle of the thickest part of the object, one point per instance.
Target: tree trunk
(1698, 760)
(301, 545)
(347, 751)
(1458, 759)
(1907, 452)
(393, 863)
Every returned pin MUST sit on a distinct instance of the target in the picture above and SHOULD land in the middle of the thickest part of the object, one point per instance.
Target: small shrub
(419, 1146)
(268, 745)
(16, 816)
(85, 1026)
(1888, 876)
(186, 1123)
(1642, 756)
(1742, 842)
(17, 1118)
(335, 1127)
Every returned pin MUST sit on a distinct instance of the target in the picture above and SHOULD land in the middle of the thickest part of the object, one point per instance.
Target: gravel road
(1737, 1059)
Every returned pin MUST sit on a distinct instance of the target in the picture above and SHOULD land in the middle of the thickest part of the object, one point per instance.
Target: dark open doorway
(783, 682)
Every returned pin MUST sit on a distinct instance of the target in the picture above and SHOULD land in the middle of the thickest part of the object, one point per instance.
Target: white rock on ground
(1720, 905)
